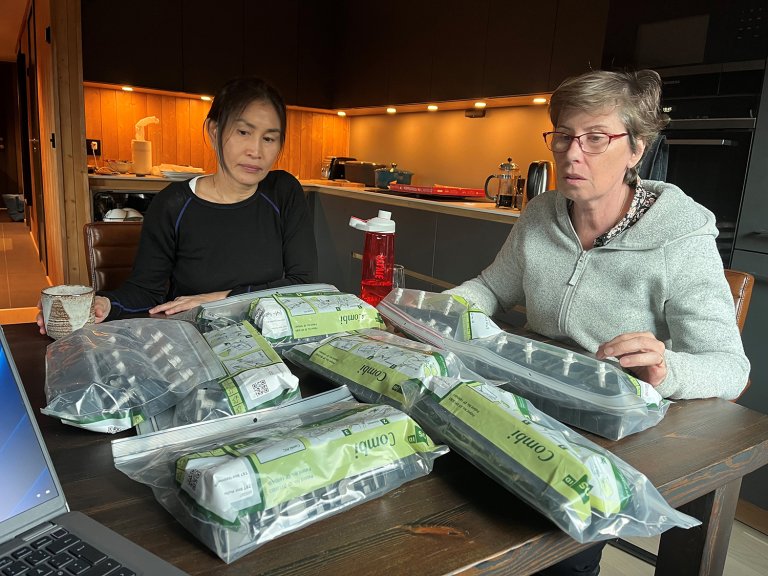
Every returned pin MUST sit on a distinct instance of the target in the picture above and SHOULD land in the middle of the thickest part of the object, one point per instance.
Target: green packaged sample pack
(588, 492)
(265, 471)
(584, 489)
(301, 317)
(256, 377)
(374, 364)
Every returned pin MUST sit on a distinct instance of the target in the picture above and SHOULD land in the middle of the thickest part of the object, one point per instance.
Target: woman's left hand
(183, 303)
(640, 351)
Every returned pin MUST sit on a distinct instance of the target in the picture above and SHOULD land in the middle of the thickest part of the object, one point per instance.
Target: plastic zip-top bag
(256, 377)
(111, 376)
(574, 388)
(234, 309)
(237, 488)
(374, 364)
(585, 490)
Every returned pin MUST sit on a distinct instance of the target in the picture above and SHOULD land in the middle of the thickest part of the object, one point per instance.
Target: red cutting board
(438, 190)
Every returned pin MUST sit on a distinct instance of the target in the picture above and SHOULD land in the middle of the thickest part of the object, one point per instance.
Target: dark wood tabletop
(455, 520)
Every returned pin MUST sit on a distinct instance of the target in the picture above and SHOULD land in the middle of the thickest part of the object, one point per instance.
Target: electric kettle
(508, 177)
(540, 174)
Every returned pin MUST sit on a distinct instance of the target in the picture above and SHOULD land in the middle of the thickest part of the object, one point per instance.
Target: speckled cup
(66, 308)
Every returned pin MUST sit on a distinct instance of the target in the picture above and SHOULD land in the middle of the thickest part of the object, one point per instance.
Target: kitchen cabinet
(578, 41)
(518, 51)
(428, 242)
(362, 61)
(212, 44)
(458, 43)
(186, 46)
(317, 35)
(138, 44)
(270, 44)
(337, 241)
(410, 66)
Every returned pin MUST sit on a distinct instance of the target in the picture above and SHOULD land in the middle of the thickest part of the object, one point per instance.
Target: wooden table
(455, 520)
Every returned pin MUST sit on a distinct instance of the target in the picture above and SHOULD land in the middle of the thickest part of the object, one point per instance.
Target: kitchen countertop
(468, 209)
(118, 182)
(457, 207)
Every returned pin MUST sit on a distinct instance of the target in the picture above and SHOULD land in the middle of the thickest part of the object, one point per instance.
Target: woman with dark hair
(626, 268)
(244, 228)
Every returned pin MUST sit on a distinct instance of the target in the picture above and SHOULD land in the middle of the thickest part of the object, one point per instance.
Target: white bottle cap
(382, 223)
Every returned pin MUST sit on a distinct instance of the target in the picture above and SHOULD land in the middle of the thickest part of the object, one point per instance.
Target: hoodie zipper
(573, 281)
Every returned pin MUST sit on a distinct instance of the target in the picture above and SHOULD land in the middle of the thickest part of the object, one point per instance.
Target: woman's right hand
(101, 308)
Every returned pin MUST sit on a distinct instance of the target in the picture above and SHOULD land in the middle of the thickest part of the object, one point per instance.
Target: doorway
(30, 136)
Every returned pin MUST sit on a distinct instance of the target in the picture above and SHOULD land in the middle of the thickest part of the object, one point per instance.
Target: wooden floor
(21, 274)
(747, 555)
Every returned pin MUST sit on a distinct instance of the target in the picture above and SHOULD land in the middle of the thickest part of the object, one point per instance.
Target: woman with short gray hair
(626, 268)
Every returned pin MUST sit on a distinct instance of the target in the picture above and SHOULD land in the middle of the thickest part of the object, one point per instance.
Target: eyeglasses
(592, 143)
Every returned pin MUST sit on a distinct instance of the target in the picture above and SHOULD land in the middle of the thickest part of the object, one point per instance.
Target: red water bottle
(378, 256)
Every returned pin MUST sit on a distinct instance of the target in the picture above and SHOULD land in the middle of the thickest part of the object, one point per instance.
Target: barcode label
(192, 477)
(258, 389)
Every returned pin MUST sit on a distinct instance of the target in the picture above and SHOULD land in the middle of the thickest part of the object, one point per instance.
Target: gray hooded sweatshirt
(662, 275)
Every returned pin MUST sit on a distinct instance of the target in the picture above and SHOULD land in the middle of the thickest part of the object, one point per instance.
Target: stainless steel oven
(713, 111)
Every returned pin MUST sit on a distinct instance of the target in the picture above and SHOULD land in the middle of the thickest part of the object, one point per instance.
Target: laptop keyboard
(60, 553)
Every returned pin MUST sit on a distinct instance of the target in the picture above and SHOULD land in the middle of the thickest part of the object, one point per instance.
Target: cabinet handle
(702, 142)
(759, 233)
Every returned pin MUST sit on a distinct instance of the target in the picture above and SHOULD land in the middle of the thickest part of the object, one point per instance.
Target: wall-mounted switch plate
(92, 147)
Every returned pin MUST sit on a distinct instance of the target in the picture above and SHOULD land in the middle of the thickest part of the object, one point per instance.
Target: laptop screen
(26, 480)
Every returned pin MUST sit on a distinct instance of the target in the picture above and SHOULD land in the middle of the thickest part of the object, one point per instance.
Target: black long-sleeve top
(191, 246)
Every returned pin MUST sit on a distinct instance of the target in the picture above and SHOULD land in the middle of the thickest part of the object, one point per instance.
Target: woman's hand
(641, 352)
(183, 303)
(101, 308)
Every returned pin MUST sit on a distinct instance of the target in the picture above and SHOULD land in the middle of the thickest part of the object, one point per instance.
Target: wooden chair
(741, 284)
(110, 249)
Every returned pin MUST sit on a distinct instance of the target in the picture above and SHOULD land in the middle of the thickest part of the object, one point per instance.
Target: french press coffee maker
(508, 179)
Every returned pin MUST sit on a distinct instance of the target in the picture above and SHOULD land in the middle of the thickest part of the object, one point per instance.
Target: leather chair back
(741, 284)
(110, 249)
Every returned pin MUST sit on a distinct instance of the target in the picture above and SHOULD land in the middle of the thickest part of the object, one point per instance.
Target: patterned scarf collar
(641, 202)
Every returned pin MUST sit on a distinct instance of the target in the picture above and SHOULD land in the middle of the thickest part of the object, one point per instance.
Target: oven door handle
(702, 142)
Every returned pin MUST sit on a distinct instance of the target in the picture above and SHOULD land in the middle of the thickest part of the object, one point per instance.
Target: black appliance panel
(710, 166)
(713, 112)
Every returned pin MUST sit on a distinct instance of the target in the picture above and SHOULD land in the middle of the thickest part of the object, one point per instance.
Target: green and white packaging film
(291, 318)
(109, 377)
(237, 490)
(374, 364)
(256, 377)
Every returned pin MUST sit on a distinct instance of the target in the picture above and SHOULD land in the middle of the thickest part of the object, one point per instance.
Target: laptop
(39, 536)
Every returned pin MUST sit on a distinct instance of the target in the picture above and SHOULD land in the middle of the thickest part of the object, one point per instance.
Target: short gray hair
(635, 96)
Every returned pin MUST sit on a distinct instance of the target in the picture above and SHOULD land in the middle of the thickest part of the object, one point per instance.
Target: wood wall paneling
(168, 130)
(111, 116)
(183, 128)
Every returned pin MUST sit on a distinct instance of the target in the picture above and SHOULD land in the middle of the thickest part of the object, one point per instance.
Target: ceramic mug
(66, 308)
